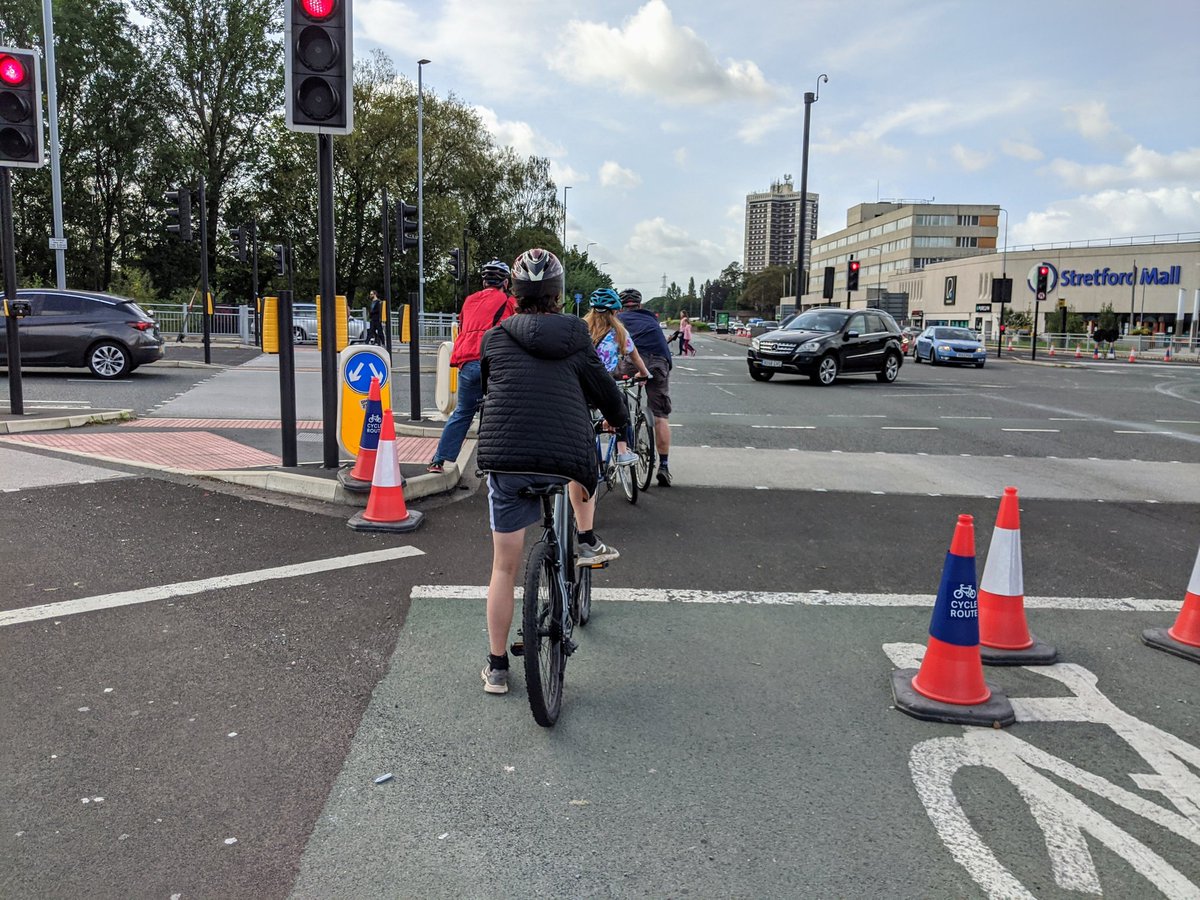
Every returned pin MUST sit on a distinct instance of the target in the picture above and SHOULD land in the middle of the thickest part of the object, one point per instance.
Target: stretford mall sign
(1106, 277)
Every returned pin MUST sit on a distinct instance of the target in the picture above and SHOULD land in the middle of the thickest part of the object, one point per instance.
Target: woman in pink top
(685, 335)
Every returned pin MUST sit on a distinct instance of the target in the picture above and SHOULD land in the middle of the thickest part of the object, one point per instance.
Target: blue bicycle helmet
(605, 298)
(495, 272)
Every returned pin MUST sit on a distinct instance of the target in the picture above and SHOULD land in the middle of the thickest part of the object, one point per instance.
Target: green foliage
(764, 289)
(136, 284)
(1017, 319)
(1107, 318)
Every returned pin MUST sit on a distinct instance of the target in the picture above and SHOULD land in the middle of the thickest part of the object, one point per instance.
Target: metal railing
(1154, 345)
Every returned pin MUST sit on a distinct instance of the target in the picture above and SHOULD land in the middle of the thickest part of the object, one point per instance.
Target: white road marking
(203, 585)
(908, 428)
(1177, 421)
(1143, 432)
(806, 598)
(791, 427)
(965, 417)
(1034, 430)
(1067, 419)
(849, 416)
(723, 391)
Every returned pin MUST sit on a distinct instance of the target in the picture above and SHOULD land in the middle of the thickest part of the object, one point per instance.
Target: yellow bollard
(342, 336)
(405, 329)
(270, 324)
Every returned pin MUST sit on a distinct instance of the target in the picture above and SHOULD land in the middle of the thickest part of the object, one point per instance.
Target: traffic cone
(386, 510)
(1078, 352)
(1004, 638)
(1010, 343)
(1096, 352)
(1132, 355)
(1167, 358)
(358, 478)
(949, 686)
(1052, 351)
(1182, 638)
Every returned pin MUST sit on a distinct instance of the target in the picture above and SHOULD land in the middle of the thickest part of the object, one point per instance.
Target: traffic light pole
(327, 281)
(205, 314)
(254, 282)
(387, 274)
(16, 394)
(287, 380)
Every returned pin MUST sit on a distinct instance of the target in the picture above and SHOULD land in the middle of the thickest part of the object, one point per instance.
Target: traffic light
(318, 68)
(456, 268)
(406, 226)
(239, 242)
(852, 275)
(280, 259)
(180, 212)
(827, 284)
(21, 143)
(1043, 281)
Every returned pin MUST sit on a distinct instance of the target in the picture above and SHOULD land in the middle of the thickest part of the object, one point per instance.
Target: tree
(583, 277)
(764, 289)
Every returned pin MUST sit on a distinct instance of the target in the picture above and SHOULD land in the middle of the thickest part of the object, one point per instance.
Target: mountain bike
(1068, 819)
(643, 430)
(557, 596)
(611, 474)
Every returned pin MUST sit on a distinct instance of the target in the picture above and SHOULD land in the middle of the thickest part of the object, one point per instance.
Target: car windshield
(953, 334)
(818, 320)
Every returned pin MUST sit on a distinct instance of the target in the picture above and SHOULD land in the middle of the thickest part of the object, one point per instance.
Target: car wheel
(759, 374)
(891, 368)
(827, 371)
(109, 360)
(916, 355)
(933, 357)
(298, 335)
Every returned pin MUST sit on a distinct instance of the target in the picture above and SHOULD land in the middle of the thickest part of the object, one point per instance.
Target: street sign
(361, 367)
(983, 307)
(58, 243)
(357, 365)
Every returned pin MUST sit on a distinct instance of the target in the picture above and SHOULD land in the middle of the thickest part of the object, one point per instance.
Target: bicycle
(557, 596)
(1065, 818)
(610, 473)
(643, 431)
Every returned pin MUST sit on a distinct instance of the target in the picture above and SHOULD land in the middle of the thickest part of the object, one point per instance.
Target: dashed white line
(787, 427)
(1034, 430)
(979, 418)
(908, 428)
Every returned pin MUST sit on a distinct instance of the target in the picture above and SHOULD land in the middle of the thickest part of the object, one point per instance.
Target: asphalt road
(728, 728)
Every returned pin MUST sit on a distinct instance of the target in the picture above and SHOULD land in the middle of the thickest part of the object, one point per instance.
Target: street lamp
(589, 244)
(1004, 280)
(414, 344)
(809, 99)
(566, 187)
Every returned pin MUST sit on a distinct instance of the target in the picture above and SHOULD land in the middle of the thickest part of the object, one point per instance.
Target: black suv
(110, 335)
(825, 343)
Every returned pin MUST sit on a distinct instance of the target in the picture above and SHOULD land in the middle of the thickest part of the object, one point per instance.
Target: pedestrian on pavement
(375, 333)
(541, 376)
(647, 334)
(482, 310)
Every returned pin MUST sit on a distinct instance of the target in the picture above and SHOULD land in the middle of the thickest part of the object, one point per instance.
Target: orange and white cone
(949, 686)
(386, 510)
(1010, 343)
(1004, 638)
(1167, 358)
(1182, 638)
(1132, 355)
(1096, 352)
(1051, 350)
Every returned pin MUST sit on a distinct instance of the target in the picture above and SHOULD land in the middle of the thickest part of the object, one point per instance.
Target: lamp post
(1004, 279)
(810, 98)
(589, 244)
(566, 187)
(414, 343)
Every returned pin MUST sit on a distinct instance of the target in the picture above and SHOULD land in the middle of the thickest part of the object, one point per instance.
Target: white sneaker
(626, 459)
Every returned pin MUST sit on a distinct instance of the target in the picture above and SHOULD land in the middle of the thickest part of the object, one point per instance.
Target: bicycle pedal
(599, 565)
(569, 647)
(517, 648)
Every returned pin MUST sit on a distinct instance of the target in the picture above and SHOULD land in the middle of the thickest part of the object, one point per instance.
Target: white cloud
(1090, 119)
(564, 174)
(518, 135)
(681, 156)
(970, 160)
(677, 252)
(650, 54)
(1110, 214)
(1140, 165)
(1026, 152)
(754, 129)
(615, 175)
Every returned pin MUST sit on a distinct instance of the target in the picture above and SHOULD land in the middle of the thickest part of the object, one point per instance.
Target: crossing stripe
(203, 585)
(807, 598)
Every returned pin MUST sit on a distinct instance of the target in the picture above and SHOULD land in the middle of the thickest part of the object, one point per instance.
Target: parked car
(304, 325)
(827, 343)
(942, 344)
(110, 335)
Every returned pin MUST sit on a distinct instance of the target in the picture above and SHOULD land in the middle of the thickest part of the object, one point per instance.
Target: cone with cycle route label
(1004, 638)
(359, 477)
(1182, 638)
(949, 686)
(386, 510)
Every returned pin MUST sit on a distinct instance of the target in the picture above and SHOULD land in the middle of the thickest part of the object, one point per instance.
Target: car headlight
(810, 346)
(754, 344)
(945, 348)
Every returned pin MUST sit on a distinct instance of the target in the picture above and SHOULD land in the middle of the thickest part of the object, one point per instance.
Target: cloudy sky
(1079, 117)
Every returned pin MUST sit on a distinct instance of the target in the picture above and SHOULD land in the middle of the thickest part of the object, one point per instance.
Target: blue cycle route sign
(361, 368)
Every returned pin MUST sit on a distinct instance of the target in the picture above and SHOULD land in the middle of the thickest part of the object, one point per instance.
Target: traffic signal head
(21, 144)
(1043, 280)
(280, 259)
(318, 66)
(406, 226)
(179, 213)
(239, 242)
(852, 275)
(456, 267)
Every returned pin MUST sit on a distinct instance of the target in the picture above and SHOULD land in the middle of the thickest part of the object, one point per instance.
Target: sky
(1078, 117)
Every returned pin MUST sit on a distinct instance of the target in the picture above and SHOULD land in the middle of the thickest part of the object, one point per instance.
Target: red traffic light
(854, 264)
(318, 9)
(1044, 271)
(12, 72)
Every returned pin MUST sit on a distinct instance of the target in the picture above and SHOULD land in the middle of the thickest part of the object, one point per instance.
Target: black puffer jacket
(540, 374)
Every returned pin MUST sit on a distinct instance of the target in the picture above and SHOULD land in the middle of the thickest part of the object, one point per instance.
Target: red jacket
(482, 310)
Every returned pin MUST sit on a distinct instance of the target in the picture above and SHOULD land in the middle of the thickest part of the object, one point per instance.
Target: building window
(968, 220)
(966, 241)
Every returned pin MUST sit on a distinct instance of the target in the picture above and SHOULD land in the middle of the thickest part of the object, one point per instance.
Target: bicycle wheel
(581, 603)
(542, 629)
(643, 435)
(629, 482)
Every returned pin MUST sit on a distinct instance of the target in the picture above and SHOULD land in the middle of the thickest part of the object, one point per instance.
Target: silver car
(304, 325)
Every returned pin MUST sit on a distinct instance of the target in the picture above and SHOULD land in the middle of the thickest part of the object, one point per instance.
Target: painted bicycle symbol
(965, 590)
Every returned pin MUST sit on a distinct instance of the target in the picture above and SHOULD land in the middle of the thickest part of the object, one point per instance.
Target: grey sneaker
(626, 459)
(495, 681)
(592, 554)
(664, 476)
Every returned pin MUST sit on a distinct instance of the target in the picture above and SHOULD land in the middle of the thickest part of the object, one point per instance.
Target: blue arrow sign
(361, 368)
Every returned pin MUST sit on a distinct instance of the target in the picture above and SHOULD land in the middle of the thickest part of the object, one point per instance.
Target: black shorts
(508, 510)
(658, 388)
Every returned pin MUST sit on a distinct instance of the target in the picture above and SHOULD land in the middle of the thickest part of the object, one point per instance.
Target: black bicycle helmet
(631, 297)
(537, 273)
(495, 273)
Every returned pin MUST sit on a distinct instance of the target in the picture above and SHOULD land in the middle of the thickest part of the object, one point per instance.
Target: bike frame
(556, 530)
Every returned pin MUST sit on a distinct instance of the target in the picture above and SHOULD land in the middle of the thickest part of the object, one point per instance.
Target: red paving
(195, 451)
(166, 422)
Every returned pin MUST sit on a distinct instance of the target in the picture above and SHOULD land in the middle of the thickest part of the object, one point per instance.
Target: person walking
(541, 375)
(375, 333)
(685, 336)
(481, 311)
(651, 343)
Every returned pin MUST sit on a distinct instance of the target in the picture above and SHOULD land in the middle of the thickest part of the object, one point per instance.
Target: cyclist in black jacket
(540, 375)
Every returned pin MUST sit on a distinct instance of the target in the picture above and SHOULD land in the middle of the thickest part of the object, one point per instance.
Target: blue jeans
(470, 396)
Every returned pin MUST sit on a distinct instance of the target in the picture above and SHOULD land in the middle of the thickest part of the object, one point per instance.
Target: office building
(773, 226)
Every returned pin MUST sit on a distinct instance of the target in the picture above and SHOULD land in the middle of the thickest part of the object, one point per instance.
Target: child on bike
(614, 345)
(540, 377)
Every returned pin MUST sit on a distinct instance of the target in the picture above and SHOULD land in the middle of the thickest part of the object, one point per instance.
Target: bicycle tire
(629, 482)
(542, 632)
(643, 436)
(581, 605)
